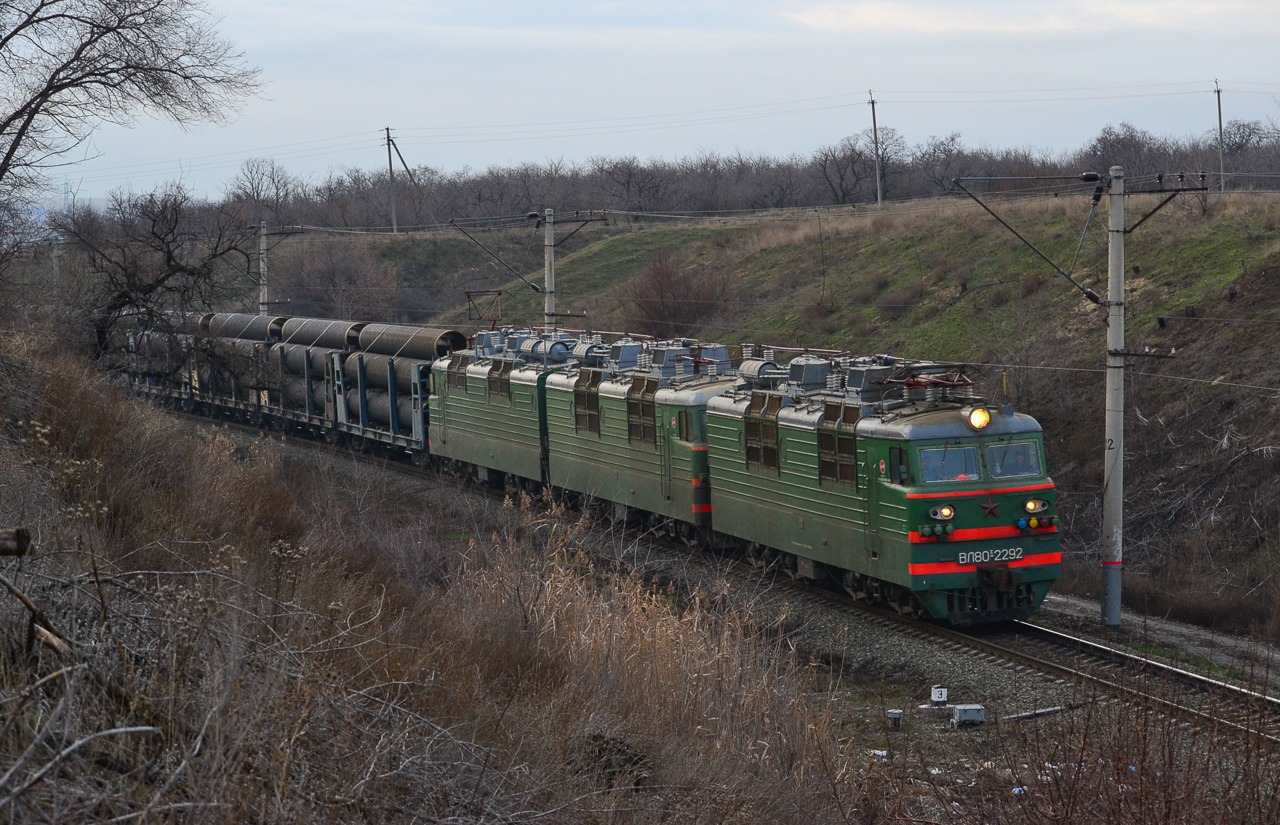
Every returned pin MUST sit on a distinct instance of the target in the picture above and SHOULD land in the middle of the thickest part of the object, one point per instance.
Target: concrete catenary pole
(391, 184)
(549, 264)
(1222, 166)
(262, 267)
(1113, 457)
(875, 145)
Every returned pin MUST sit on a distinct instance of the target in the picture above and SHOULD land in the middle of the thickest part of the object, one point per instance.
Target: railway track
(1194, 697)
(1102, 668)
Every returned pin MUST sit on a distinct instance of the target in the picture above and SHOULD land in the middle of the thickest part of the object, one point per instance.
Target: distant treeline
(843, 173)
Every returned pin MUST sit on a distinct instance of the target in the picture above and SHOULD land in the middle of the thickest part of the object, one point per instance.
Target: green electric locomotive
(888, 476)
(891, 477)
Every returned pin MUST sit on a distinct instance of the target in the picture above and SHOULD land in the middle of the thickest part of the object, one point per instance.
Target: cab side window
(899, 470)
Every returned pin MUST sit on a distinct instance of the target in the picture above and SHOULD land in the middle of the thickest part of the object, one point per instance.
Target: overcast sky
(472, 84)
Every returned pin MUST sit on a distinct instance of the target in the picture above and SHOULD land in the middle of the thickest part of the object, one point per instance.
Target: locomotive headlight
(944, 512)
(979, 418)
(1035, 505)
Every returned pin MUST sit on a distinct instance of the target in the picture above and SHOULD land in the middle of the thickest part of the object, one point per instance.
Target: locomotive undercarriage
(999, 594)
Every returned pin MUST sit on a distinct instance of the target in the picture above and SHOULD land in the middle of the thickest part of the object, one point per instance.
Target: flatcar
(889, 477)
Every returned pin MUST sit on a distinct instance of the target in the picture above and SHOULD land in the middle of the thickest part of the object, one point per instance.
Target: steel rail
(1190, 677)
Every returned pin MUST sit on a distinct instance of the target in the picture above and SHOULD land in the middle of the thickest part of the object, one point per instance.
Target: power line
(504, 132)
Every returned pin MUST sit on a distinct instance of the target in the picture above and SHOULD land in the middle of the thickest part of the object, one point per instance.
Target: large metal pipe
(420, 343)
(298, 359)
(294, 391)
(249, 327)
(379, 405)
(375, 371)
(321, 332)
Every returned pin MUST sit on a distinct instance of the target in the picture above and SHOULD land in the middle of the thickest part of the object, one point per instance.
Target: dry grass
(266, 637)
(302, 643)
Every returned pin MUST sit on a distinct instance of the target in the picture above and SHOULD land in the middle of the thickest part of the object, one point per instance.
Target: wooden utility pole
(1113, 455)
(391, 184)
(549, 265)
(875, 144)
(1222, 166)
(262, 268)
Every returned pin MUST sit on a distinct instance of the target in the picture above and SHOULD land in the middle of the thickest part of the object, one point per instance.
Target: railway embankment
(941, 280)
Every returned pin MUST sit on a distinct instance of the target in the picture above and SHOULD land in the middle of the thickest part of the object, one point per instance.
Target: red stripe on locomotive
(935, 568)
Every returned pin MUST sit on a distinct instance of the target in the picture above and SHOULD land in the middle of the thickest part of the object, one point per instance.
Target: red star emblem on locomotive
(989, 507)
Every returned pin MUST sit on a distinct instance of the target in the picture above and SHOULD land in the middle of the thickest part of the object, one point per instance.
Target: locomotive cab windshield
(961, 462)
(1012, 460)
(947, 463)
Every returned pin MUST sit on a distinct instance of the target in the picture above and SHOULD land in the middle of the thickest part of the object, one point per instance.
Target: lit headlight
(979, 418)
(1035, 505)
(944, 512)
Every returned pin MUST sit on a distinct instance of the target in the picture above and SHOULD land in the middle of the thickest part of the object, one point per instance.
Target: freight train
(888, 476)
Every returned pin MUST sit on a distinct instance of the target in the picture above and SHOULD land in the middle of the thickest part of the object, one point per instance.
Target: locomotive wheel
(763, 558)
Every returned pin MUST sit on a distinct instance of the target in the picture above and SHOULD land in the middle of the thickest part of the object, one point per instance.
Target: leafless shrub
(1032, 284)
(669, 299)
(901, 300)
(867, 290)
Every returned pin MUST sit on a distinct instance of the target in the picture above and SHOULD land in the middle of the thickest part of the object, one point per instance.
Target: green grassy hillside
(943, 280)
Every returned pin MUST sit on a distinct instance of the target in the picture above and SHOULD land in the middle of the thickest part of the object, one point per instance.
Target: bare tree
(267, 186)
(633, 184)
(69, 65)
(336, 277)
(895, 157)
(941, 159)
(1138, 151)
(145, 257)
(844, 166)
